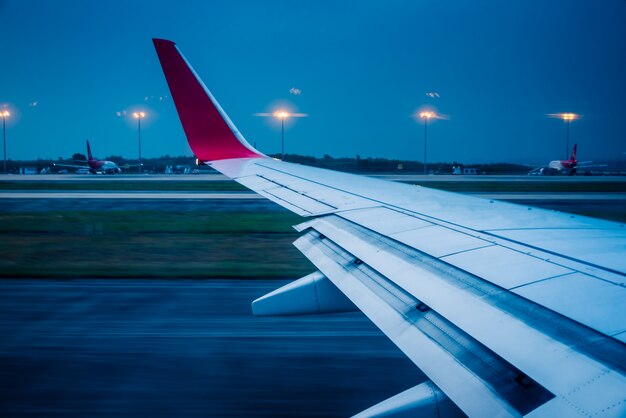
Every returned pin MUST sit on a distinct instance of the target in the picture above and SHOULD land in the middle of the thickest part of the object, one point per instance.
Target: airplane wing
(588, 164)
(70, 165)
(509, 310)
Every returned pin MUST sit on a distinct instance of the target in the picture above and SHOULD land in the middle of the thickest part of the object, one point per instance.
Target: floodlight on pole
(139, 116)
(426, 116)
(282, 115)
(5, 114)
(567, 117)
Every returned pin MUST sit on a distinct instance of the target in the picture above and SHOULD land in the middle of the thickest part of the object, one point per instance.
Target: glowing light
(567, 117)
(281, 114)
(138, 115)
(427, 115)
(5, 114)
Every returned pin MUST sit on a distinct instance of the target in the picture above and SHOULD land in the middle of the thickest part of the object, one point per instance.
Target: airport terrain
(205, 226)
(160, 339)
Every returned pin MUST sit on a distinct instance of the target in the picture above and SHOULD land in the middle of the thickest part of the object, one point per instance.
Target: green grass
(70, 222)
(150, 244)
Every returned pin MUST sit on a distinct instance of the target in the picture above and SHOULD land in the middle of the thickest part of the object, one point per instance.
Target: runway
(167, 195)
(214, 176)
(184, 348)
(610, 205)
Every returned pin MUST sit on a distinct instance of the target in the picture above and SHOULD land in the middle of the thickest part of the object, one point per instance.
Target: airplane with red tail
(96, 166)
(565, 167)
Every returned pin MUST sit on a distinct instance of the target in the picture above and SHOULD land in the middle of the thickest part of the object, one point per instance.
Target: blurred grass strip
(150, 244)
(71, 222)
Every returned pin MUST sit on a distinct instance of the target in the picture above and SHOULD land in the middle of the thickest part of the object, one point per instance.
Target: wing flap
(505, 267)
(601, 246)
(596, 303)
(494, 317)
(393, 311)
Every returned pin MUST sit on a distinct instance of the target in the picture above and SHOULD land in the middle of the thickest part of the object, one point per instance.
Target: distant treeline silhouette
(346, 164)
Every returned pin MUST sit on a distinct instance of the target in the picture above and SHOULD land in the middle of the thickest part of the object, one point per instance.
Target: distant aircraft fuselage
(102, 166)
(564, 166)
(567, 167)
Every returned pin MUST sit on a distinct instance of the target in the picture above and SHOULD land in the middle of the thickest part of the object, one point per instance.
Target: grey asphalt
(620, 196)
(214, 176)
(77, 348)
(609, 205)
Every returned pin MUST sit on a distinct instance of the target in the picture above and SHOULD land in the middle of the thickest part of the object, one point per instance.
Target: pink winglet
(210, 133)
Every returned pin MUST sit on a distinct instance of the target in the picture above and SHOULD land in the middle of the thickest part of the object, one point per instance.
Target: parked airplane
(508, 310)
(567, 167)
(96, 166)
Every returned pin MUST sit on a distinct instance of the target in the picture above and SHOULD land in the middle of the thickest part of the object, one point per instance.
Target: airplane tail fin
(210, 133)
(573, 157)
(89, 156)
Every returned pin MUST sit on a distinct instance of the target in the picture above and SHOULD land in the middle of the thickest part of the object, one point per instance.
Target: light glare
(567, 116)
(281, 114)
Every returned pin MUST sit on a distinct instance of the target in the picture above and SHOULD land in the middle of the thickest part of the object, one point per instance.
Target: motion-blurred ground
(134, 306)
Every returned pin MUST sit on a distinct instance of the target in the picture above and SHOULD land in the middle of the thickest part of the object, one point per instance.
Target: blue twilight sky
(69, 68)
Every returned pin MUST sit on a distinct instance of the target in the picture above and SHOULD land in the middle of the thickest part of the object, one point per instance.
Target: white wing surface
(509, 310)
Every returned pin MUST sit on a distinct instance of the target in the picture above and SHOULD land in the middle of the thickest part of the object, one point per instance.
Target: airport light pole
(282, 115)
(568, 118)
(5, 114)
(426, 116)
(139, 116)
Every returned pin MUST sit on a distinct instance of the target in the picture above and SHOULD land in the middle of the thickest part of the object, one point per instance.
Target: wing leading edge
(504, 318)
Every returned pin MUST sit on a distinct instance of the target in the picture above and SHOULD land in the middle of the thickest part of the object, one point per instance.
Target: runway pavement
(611, 205)
(174, 348)
(617, 196)
(214, 176)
